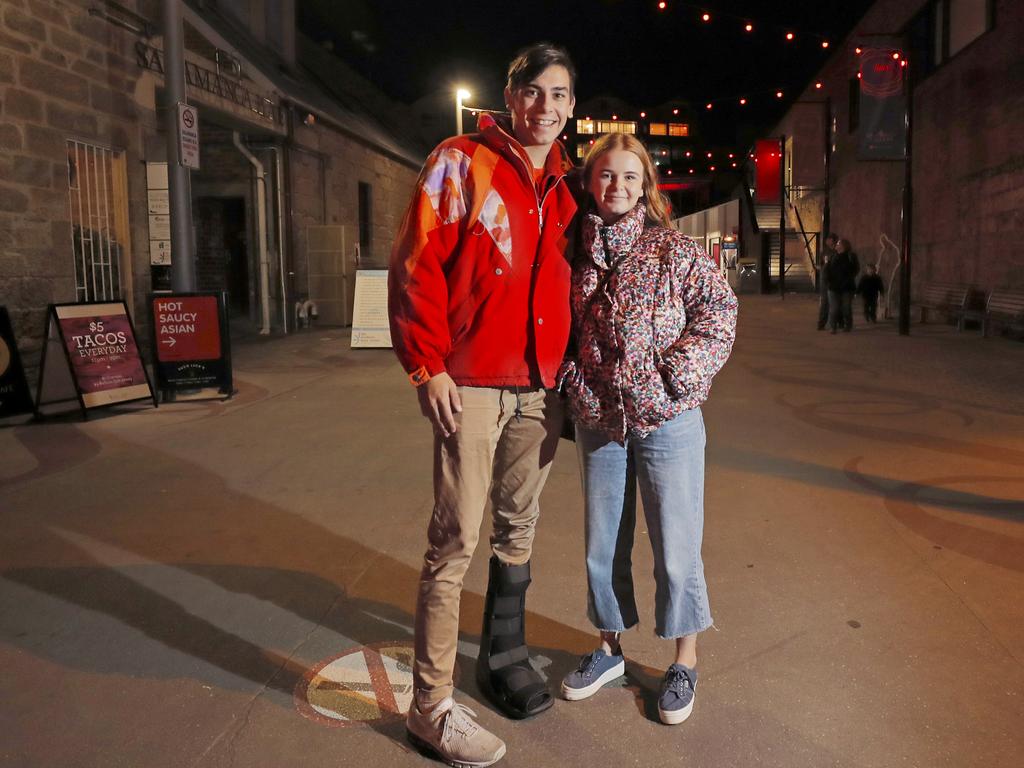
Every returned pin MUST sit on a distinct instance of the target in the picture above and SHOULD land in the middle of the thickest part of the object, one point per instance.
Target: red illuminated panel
(768, 162)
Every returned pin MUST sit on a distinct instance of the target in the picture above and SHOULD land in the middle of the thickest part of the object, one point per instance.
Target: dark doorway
(237, 264)
(222, 254)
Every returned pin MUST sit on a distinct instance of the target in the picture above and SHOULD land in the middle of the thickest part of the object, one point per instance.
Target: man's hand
(439, 401)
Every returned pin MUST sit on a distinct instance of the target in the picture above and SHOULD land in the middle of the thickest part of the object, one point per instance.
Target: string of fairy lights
(746, 26)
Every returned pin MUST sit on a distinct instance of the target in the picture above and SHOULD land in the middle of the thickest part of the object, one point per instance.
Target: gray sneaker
(678, 689)
(449, 733)
(594, 671)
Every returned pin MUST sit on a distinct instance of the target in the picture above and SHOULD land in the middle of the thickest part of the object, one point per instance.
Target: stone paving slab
(186, 586)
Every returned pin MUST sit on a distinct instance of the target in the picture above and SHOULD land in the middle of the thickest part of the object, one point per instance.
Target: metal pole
(183, 267)
(908, 209)
(826, 214)
(782, 216)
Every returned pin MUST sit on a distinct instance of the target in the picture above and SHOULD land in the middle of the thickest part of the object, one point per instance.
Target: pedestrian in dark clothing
(869, 288)
(826, 256)
(841, 282)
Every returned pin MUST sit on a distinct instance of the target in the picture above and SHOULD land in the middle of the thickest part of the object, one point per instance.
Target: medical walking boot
(503, 669)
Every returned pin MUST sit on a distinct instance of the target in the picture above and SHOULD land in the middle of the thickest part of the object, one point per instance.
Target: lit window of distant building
(658, 129)
(584, 126)
(616, 126)
(678, 129)
(581, 151)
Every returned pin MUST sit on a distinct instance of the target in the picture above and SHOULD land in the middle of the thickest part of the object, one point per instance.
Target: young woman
(654, 321)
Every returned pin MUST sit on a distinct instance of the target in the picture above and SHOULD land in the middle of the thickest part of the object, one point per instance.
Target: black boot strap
(507, 606)
(506, 658)
(510, 626)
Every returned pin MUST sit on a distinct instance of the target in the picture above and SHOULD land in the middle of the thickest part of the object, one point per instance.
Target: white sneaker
(449, 732)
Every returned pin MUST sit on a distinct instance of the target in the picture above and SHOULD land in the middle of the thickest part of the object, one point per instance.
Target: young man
(826, 256)
(478, 296)
(869, 288)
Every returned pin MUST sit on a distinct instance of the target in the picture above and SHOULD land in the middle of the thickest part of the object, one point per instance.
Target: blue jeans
(669, 465)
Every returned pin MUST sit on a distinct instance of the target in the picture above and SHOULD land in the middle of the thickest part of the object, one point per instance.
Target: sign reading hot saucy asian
(191, 339)
(102, 352)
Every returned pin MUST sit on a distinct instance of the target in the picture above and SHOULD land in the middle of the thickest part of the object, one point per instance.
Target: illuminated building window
(584, 126)
(617, 126)
(678, 129)
(659, 129)
(581, 151)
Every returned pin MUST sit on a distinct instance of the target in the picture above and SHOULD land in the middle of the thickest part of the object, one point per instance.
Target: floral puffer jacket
(653, 322)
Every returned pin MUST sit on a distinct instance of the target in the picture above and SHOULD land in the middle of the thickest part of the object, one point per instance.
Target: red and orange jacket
(479, 276)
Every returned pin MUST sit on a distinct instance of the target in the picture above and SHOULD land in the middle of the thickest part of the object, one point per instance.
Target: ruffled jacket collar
(606, 244)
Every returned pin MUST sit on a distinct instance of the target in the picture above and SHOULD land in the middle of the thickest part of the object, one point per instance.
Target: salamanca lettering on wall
(148, 57)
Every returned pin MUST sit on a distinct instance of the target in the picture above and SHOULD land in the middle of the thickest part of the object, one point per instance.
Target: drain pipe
(279, 227)
(261, 226)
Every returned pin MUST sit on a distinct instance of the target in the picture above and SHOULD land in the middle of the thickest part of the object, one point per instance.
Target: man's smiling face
(541, 107)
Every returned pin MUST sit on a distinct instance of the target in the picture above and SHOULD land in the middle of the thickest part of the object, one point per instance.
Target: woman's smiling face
(616, 184)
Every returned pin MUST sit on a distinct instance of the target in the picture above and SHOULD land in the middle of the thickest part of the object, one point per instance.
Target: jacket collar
(496, 131)
(607, 244)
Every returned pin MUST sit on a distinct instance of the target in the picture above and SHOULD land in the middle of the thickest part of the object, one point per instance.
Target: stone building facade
(967, 64)
(81, 132)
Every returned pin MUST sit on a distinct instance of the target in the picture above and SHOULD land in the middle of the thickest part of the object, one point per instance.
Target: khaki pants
(494, 461)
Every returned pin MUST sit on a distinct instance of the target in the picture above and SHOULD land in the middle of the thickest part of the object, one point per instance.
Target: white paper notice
(370, 327)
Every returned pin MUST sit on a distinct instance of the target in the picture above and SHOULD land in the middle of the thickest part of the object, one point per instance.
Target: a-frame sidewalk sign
(191, 346)
(15, 398)
(90, 356)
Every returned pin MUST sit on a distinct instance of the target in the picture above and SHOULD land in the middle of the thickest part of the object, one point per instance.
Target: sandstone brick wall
(63, 74)
(347, 162)
(67, 75)
(968, 159)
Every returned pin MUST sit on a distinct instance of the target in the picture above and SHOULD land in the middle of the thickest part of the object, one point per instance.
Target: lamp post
(460, 95)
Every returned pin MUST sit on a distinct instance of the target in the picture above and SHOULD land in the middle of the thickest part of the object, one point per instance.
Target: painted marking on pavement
(362, 685)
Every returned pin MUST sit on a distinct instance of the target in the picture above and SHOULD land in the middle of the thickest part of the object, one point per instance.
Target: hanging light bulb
(790, 35)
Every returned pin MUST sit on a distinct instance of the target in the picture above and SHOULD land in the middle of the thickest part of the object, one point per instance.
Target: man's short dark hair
(531, 61)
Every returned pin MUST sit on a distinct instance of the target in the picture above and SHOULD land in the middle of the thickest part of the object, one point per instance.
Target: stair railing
(808, 239)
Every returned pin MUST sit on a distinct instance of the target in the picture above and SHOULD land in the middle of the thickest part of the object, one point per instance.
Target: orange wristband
(419, 376)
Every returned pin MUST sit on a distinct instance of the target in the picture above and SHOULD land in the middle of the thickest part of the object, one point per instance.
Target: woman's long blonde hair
(656, 204)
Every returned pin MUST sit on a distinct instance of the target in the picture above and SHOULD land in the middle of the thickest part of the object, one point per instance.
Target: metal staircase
(799, 272)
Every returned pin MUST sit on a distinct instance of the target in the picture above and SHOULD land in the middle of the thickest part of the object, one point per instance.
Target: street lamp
(460, 95)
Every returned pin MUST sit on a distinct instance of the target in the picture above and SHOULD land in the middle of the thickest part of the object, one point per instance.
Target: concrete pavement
(217, 584)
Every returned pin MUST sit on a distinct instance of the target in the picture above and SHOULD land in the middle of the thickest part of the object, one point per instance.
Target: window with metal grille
(98, 197)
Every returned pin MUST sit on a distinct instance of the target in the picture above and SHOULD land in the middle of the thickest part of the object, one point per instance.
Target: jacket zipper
(540, 200)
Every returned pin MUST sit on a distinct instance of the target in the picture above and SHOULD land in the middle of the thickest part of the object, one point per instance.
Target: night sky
(624, 48)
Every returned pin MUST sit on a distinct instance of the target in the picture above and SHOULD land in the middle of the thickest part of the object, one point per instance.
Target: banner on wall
(882, 107)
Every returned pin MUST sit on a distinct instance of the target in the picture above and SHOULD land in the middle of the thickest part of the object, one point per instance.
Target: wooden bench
(1004, 307)
(950, 299)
